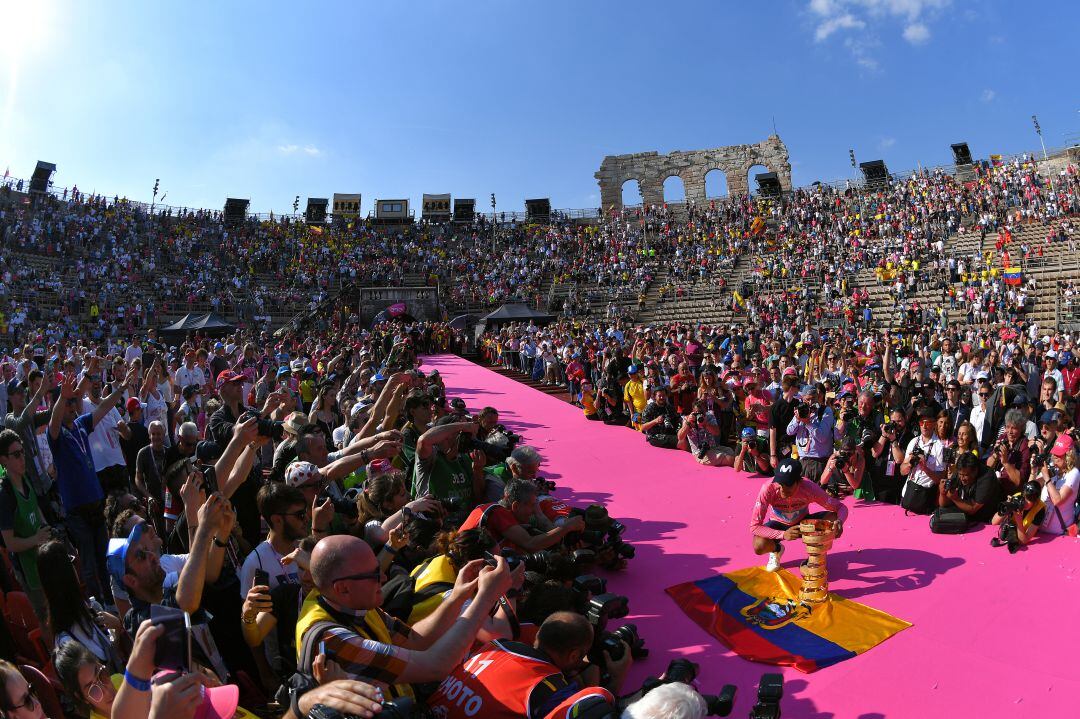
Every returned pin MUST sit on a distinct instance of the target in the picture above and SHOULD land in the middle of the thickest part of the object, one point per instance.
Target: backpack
(948, 520)
(400, 595)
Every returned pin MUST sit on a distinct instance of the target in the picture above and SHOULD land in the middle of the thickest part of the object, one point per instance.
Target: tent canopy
(209, 323)
(516, 312)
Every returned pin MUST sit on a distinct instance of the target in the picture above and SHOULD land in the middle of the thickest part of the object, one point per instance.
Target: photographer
(923, 465)
(673, 700)
(510, 680)
(700, 434)
(780, 414)
(752, 448)
(814, 430)
(884, 458)
(508, 520)
(1020, 516)
(1011, 456)
(1060, 479)
(660, 422)
(973, 490)
(844, 471)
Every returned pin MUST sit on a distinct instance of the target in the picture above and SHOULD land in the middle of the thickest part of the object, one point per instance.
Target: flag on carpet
(758, 615)
(1014, 276)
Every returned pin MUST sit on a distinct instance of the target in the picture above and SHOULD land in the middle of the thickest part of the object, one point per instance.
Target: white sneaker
(774, 560)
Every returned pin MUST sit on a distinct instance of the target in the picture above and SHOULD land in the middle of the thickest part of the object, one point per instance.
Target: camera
(848, 415)
(590, 584)
(952, 484)
(273, 429)
(1038, 461)
(948, 455)
(842, 458)
(545, 486)
(602, 533)
(917, 453)
(890, 427)
(770, 692)
(685, 671)
(611, 643)
(603, 607)
(803, 410)
(343, 506)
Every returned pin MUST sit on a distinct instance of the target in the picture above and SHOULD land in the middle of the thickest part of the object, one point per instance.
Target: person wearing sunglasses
(17, 699)
(924, 465)
(86, 680)
(286, 512)
(22, 524)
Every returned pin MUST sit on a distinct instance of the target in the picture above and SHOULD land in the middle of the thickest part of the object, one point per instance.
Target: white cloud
(840, 22)
(863, 19)
(886, 143)
(988, 95)
(916, 33)
(292, 148)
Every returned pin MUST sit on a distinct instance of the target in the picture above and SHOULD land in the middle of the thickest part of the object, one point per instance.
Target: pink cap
(789, 372)
(1062, 446)
(219, 702)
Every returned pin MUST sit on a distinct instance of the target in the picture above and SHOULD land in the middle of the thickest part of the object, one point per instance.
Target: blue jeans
(89, 536)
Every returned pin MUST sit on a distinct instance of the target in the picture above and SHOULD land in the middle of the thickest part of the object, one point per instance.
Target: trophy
(817, 535)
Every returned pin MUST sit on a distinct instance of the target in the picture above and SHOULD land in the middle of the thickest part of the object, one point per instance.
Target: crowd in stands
(338, 530)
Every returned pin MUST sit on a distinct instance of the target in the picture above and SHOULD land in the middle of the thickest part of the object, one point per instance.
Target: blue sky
(270, 100)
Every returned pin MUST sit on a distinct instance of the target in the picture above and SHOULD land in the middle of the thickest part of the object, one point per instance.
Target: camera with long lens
(274, 429)
(1038, 461)
(602, 533)
(685, 671)
(770, 692)
(1011, 504)
(842, 458)
(948, 455)
(590, 585)
(610, 643)
(545, 486)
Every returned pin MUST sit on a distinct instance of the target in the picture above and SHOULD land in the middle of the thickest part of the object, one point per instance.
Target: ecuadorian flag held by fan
(759, 616)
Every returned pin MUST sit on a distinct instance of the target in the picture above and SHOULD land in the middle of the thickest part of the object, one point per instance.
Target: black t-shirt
(653, 410)
(986, 490)
(780, 415)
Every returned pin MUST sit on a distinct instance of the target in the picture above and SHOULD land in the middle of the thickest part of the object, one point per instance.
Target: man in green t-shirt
(21, 523)
(445, 472)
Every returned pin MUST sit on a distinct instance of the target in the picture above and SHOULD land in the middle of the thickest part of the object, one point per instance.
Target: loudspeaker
(464, 211)
(316, 210)
(961, 154)
(538, 210)
(39, 181)
(235, 210)
(875, 172)
(768, 184)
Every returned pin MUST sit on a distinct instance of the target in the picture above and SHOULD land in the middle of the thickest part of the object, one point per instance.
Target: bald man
(344, 613)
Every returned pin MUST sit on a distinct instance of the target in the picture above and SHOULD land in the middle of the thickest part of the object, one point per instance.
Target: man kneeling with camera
(973, 490)
(1019, 517)
(508, 521)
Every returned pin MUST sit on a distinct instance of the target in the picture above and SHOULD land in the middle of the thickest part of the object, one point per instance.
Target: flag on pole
(1014, 276)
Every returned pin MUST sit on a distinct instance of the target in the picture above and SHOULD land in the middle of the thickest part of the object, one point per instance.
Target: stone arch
(756, 168)
(634, 198)
(716, 183)
(651, 169)
(674, 189)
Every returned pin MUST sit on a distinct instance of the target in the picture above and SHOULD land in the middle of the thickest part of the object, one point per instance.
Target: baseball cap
(208, 451)
(748, 433)
(132, 404)
(300, 473)
(190, 390)
(788, 472)
(1062, 446)
(283, 370)
(116, 559)
(632, 369)
(218, 346)
(228, 376)
(16, 385)
(789, 372)
(1020, 399)
(1051, 355)
(1050, 416)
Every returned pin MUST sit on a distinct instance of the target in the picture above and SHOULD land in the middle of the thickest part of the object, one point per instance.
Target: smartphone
(173, 648)
(262, 577)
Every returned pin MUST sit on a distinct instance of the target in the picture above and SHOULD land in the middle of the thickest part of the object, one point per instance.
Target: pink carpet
(994, 635)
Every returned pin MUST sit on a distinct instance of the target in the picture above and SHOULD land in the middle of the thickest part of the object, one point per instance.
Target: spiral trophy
(817, 535)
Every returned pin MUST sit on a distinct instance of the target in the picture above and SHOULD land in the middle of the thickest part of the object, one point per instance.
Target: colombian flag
(1014, 276)
(758, 615)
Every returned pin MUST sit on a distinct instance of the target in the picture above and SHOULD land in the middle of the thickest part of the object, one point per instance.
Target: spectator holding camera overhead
(972, 489)
(507, 680)
(444, 467)
(344, 614)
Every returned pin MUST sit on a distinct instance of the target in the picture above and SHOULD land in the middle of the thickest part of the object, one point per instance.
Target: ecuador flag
(758, 615)
(1014, 276)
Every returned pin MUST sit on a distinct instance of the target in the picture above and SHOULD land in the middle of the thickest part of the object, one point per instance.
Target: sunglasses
(95, 691)
(377, 574)
(984, 395)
